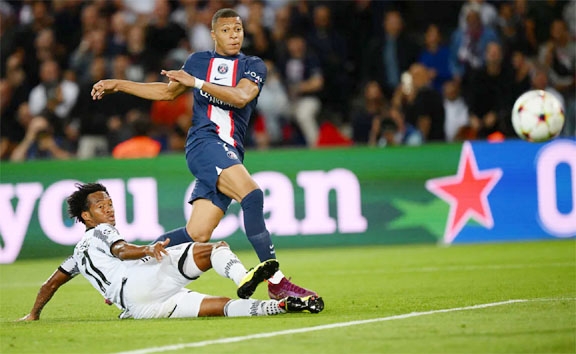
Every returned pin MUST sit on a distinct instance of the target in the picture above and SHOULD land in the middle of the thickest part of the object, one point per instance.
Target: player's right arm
(47, 290)
(155, 91)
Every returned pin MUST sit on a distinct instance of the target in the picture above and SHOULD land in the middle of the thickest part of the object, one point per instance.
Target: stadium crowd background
(340, 72)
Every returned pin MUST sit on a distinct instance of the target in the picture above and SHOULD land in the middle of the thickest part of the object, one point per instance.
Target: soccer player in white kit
(149, 281)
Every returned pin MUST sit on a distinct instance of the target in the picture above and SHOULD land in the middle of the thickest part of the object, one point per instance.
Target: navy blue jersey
(213, 117)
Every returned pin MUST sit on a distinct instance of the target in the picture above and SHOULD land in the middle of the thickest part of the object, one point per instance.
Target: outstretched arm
(156, 91)
(47, 290)
(126, 251)
(238, 96)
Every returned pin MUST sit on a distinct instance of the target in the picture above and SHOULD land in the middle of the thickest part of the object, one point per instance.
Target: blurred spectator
(93, 45)
(67, 23)
(370, 107)
(267, 12)
(304, 79)
(199, 34)
(457, 116)
(540, 16)
(487, 11)
(330, 48)
(539, 81)
(522, 67)
(39, 143)
(15, 90)
(162, 34)
(512, 29)
(390, 54)
(54, 97)
(92, 116)
(468, 46)
(569, 17)
(558, 55)
(358, 24)
(273, 104)
(48, 49)
(25, 36)
(435, 56)
(280, 33)
(140, 145)
(489, 95)
(140, 63)
(421, 105)
(118, 37)
(257, 38)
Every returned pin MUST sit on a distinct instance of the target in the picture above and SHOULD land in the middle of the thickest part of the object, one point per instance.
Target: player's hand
(158, 250)
(180, 76)
(102, 88)
(29, 317)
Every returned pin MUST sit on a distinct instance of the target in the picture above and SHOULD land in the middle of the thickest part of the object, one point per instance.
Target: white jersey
(144, 288)
(94, 260)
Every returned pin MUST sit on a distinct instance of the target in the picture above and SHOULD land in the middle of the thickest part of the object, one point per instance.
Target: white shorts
(157, 289)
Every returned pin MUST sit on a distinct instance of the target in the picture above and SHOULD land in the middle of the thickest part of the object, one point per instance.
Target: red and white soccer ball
(537, 116)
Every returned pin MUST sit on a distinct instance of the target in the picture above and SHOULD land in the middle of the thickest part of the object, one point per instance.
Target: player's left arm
(126, 251)
(47, 290)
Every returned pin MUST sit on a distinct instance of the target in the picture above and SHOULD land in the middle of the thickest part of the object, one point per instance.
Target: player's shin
(227, 264)
(250, 307)
(176, 236)
(252, 206)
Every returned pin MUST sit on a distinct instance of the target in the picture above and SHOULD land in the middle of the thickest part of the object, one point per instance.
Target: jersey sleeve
(107, 234)
(256, 71)
(189, 62)
(69, 267)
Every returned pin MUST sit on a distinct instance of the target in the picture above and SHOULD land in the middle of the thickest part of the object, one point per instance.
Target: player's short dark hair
(223, 13)
(78, 201)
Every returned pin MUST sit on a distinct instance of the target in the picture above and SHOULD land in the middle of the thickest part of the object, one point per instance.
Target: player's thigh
(236, 182)
(203, 219)
(184, 304)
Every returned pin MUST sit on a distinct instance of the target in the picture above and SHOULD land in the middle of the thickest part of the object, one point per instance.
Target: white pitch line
(323, 327)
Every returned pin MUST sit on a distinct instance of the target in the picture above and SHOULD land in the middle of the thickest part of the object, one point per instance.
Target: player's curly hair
(78, 201)
(223, 13)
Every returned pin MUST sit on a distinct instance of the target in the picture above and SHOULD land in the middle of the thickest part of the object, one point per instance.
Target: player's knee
(199, 235)
(253, 199)
(221, 244)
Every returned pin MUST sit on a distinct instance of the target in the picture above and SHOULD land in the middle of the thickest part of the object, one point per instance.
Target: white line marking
(323, 327)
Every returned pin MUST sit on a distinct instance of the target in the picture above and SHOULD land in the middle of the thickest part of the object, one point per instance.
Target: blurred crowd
(356, 72)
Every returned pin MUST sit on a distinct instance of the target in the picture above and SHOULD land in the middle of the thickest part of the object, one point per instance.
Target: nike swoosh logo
(219, 78)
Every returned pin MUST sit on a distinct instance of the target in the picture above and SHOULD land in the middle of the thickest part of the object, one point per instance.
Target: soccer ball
(537, 116)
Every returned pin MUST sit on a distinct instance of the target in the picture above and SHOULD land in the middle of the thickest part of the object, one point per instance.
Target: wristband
(198, 83)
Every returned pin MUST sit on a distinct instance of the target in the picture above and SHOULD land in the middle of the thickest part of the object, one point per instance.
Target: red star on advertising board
(466, 192)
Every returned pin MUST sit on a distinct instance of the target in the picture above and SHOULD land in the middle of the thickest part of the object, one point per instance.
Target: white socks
(250, 307)
(276, 277)
(227, 264)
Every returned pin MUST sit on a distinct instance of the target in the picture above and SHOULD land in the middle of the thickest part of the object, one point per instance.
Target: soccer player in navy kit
(223, 103)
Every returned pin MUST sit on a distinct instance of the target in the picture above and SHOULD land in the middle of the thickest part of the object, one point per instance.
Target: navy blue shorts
(206, 158)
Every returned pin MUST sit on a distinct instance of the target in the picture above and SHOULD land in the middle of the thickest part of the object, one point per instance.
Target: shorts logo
(223, 68)
(231, 155)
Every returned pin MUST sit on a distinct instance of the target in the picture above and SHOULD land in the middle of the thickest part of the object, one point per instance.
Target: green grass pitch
(379, 299)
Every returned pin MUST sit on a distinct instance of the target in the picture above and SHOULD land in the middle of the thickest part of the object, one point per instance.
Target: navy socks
(259, 237)
(176, 236)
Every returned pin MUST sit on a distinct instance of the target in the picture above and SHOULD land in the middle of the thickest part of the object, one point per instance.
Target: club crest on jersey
(232, 155)
(223, 68)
